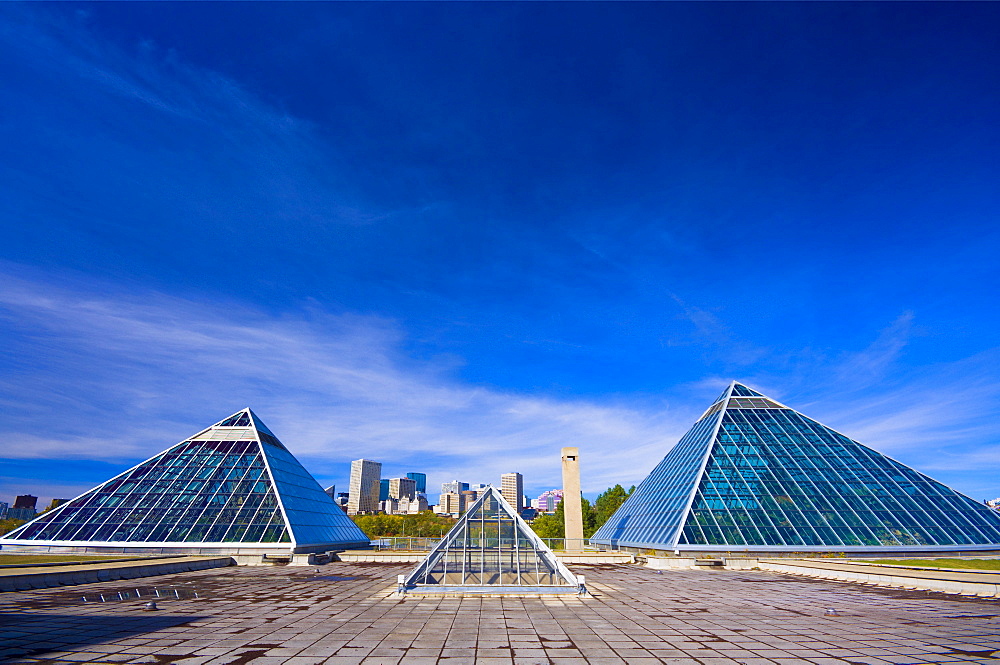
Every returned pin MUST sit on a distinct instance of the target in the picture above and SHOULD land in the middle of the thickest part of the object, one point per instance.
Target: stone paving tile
(260, 616)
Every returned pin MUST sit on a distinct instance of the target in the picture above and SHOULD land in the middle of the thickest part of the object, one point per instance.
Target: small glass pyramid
(491, 550)
(755, 474)
(231, 486)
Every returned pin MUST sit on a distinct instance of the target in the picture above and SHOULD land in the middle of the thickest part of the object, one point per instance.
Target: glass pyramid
(231, 485)
(755, 474)
(491, 550)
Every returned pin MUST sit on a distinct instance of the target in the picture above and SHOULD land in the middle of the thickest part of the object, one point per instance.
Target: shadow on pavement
(35, 634)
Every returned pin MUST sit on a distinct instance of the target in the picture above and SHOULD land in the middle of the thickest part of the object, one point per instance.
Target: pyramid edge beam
(274, 485)
(708, 451)
(740, 549)
(55, 511)
(10, 540)
(720, 416)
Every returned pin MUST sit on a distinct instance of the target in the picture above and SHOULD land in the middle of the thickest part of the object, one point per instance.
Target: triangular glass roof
(754, 474)
(234, 483)
(491, 550)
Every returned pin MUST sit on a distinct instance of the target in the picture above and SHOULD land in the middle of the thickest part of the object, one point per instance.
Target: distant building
(364, 493)
(451, 503)
(389, 506)
(23, 508)
(383, 489)
(331, 492)
(420, 478)
(3, 509)
(512, 489)
(528, 514)
(548, 500)
(454, 487)
(418, 504)
(25, 501)
(400, 488)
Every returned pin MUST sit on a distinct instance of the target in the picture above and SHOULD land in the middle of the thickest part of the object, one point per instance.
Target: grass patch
(7, 559)
(973, 564)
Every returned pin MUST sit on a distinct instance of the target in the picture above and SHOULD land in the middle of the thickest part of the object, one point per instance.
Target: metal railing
(406, 543)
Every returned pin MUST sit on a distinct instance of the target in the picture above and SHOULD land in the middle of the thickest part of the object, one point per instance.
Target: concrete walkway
(344, 614)
(21, 578)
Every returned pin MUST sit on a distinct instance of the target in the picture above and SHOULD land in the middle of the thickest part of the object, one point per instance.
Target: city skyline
(423, 234)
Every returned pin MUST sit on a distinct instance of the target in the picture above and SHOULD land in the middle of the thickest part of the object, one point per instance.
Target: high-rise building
(26, 501)
(512, 489)
(383, 489)
(753, 474)
(233, 486)
(24, 508)
(3, 509)
(400, 488)
(364, 491)
(451, 503)
(331, 491)
(420, 478)
(454, 487)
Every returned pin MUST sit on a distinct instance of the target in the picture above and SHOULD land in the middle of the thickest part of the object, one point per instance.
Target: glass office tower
(753, 474)
(233, 487)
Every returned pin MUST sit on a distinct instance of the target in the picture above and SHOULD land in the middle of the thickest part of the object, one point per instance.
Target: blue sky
(455, 237)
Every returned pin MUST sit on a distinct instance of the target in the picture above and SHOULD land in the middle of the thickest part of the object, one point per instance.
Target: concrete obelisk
(571, 498)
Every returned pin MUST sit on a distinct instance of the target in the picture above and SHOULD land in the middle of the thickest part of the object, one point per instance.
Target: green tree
(554, 525)
(608, 502)
(422, 525)
(6, 526)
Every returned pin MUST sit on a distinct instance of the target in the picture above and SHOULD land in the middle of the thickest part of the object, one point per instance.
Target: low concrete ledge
(385, 556)
(985, 584)
(375, 556)
(594, 557)
(42, 577)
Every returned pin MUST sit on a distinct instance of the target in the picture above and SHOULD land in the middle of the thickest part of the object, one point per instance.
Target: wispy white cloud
(124, 375)
(133, 373)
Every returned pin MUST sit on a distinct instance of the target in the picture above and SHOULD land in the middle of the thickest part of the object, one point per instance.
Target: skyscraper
(454, 487)
(365, 486)
(512, 488)
(402, 488)
(754, 474)
(383, 489)
(421, 479)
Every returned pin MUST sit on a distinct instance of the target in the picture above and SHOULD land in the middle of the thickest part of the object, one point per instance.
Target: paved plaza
(345, 613)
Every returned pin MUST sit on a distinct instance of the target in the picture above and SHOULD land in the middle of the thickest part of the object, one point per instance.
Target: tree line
(594, 516)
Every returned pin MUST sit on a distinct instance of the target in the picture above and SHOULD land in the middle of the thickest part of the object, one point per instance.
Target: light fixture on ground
(491, 550)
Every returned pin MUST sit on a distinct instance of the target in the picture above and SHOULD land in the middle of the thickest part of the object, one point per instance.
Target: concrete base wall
(979, 583)
(23, 579)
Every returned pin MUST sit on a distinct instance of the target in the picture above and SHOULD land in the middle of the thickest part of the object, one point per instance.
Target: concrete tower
(571, 496)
